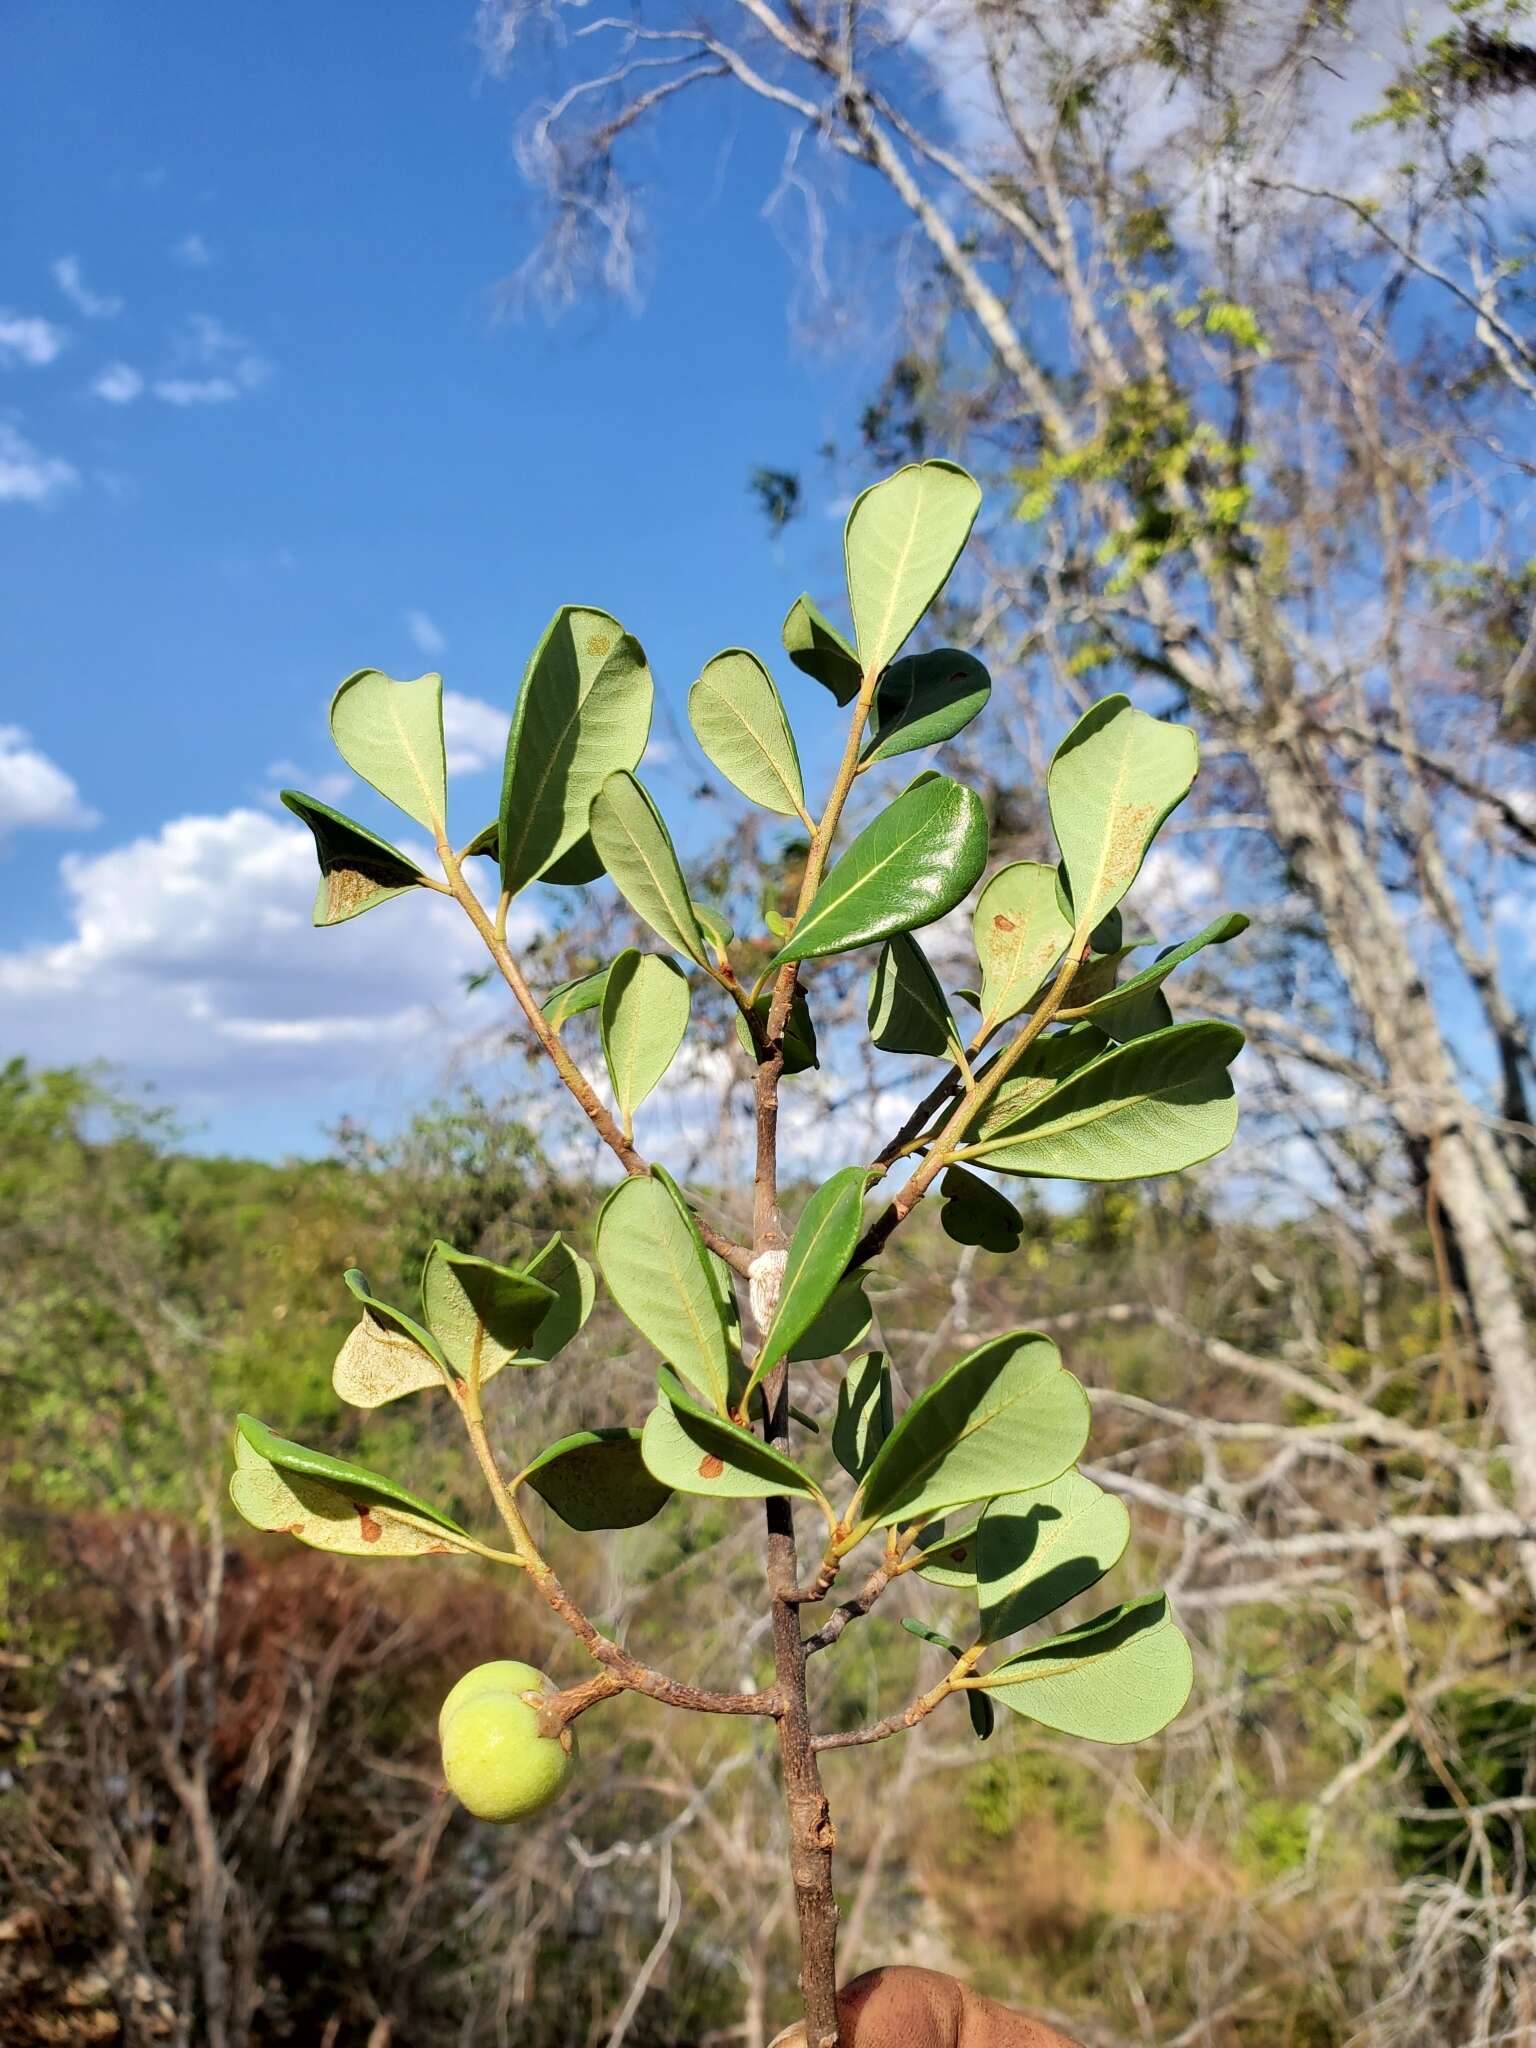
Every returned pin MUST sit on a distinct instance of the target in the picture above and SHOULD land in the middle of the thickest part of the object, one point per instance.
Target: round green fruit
(494, 1758)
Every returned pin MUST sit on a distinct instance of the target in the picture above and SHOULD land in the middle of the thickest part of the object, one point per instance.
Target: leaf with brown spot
(682, 1443)
(1112, 782)
(1021, 932)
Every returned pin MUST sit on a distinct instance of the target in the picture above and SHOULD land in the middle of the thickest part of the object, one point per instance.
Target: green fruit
(494, 1758)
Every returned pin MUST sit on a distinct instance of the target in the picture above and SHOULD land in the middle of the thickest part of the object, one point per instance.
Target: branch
(851, 1610)
(587, 1098)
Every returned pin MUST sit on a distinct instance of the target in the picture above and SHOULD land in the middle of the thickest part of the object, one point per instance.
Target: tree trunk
(1431, 1108)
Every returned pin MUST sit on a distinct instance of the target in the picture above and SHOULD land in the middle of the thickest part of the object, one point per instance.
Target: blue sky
(259, 425)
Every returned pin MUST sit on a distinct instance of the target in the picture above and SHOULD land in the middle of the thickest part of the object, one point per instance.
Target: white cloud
(27, 476)
(476, 733)
(70, 280)
(193, 251)
(35, 793)
(196, 943)
(118, 384)
(197, 390)
(220, 366)
(27, 338)
(426, 633)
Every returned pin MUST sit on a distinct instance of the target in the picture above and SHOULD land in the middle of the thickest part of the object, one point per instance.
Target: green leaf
(975, 1213)
(948, 1560)
(923, 700)
(738, 720)
(1118, 1678)
(482, 1314)
(908, 1010)
(1007, 1415)
(1129, 995)
(864, 1413)
(571, 998)
(578, 865)
(569, 1278)
(646, 1003)
(1036, 1551)
(392, 735)
(714, 927)
(658, 1272)
(1021, 932)
(799, 1032)
(817, 649)
(842, 1325)
(930, 1635)
(357, 868)
(637, 851)
(983, 1716)
(819, 1252)
(596, 1479)
(686, 1447)
(903, 537)
(1154, 1106)
(909, 866)
(1112, 782)
(336, 1522)
(584, 711)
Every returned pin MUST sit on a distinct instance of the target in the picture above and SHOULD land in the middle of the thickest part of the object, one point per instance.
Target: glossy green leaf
(800, 1052)
(925, 699)
(930, 1635)
(355, 1481)
(392, 735)
(1035, 1551)
(864, 1413)
(840, 1328)
(908, 1010)
(738, 720)
(357, 868)
(819, 1251)
(637, 851)
(1130, 994)
(688, 1448)
(913, 863)
(481, 1314)
(974, 1212)
(572, 998)
(1119, 1678)
(569, 1278)
(645, 1008)
(818, 650)
(658, 1271)
(948, 1558)
(1021, 932)
(584, 711)
(1112, 782)
(902, 539)
(1006, 1416)
(1154, 1106)
(983, 1715)
(596, 1479)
